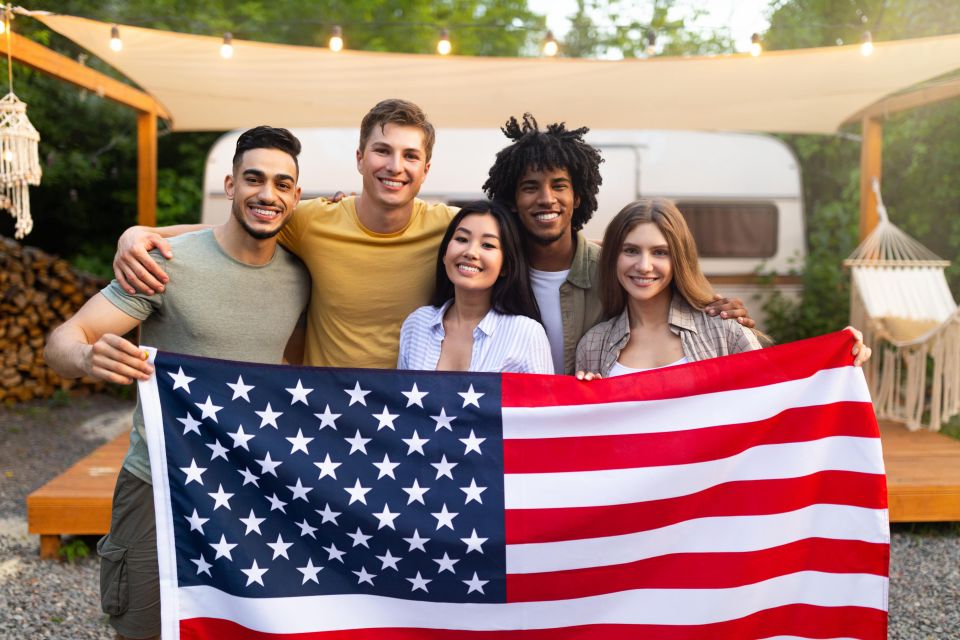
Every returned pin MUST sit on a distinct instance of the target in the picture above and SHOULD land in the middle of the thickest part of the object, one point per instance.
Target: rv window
(731, 229)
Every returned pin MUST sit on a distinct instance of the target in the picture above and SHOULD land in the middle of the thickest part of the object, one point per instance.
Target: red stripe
(798, 620)
(792, 361)
(743, 498)
(590, 453)
(703, 570)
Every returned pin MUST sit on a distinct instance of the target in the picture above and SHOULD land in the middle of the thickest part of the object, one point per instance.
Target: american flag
(739, 497)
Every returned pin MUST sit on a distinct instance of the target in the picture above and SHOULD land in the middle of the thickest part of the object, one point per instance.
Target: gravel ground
(42, 599)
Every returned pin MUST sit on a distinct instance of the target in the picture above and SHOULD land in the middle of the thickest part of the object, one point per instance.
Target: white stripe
(690, 412)
(704, 535)
(641, 606)
(627, 486)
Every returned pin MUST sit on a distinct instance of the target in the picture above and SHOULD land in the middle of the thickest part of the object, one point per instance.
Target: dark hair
(512, 292)
(264, 137)
(555, 148)
(400, 112)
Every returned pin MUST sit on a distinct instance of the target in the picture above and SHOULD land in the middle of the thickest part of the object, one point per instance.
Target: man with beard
(238, 296)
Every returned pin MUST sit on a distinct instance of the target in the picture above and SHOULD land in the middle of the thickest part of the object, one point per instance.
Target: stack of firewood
(38, 291)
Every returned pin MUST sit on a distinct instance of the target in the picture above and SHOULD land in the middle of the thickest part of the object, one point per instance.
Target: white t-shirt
(620, 370)
(546, 289)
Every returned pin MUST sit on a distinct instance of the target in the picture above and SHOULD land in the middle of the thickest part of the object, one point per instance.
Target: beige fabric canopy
(805, 91)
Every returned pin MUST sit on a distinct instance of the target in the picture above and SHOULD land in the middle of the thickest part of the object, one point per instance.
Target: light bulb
(336, 39)
(651, 48)
(115, 43)
(8, 155)
(756, 47)
(443, 45)
(550, 47)
(866, 44)
(226, 49)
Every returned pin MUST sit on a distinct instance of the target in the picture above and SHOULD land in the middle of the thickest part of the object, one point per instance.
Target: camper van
(741, 193)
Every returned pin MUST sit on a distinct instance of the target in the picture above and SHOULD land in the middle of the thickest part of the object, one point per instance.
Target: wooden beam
(871, 165)
(147, 168)
(929, 94)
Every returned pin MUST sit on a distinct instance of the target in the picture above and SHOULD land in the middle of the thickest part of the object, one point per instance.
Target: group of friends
(385, 280)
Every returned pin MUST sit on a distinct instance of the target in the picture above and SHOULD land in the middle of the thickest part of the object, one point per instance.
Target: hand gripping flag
(740, 497)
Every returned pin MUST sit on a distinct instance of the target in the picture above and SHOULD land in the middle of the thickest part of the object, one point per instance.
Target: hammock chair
(901, 301)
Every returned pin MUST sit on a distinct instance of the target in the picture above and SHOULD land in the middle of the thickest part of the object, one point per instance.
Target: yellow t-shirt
(364, 283)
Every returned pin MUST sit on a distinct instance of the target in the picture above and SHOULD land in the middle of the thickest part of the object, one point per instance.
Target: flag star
(444, 517)
(357, 395)
(306, 529)
(357, 493)
(218, 451)
(415, 396)
(416, 542)
(280, 547)
(202, 565)
(471, 397)
(475, 583)
(443, 420)
(416, 492)
(193, 472)
(359, 538)
(269, 417)
(386, 467)
(472, 443)
(223, 548)
(309, 572)
(249, 477)
(363, 576)
(386, 517)
(299, 491)
(419, 582)
(358, 443)
(268, 466)
(254, 574)
(446, 563)
(277, 503)
(189, 424)
(327, 419)
(240, 390)
(473, 492)
(443, 467)
(196, 522)
(474, 542)
(389, 560)
(385, 419)
(181, 381)
(327, 514)
(299, 443)
(209, 410)
(335, 554)
(299, 393)
(252, 523)
(327, 467)
(221, 498)
(415, 443)
(240, 439)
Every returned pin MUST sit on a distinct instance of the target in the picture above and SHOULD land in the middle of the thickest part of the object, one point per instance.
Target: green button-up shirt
(580, 307)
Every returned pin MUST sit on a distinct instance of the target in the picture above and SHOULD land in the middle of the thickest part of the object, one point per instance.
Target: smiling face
(473, 258)
(264, 191)
(393, 165)
(544, 202)
(644, 266)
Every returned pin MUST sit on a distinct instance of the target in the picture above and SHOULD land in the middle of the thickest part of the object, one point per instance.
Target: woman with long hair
(483, 316)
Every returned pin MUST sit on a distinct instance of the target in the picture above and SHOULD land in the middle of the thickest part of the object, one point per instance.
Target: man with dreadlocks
(550, 180)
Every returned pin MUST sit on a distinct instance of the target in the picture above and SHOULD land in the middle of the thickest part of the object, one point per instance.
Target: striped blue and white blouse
(501, 343)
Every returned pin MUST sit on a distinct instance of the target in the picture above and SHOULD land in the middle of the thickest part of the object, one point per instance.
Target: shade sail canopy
(804, 91)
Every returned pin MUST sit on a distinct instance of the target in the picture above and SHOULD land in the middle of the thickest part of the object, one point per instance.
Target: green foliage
(74, 550)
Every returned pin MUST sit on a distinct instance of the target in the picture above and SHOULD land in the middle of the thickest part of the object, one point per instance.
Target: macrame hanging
(19, 157)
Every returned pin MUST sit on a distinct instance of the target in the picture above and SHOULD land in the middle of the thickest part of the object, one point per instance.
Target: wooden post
(147, 168)
(871, 166)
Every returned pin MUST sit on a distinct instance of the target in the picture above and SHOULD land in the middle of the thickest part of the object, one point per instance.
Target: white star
(359, 538)
(386, 518)
(358, 443)
(471, 397)
(416, 542)
(327, 468)
(280, 547)
(269, 417)
(327, 419)
(309, 572)
(419, 582)
(357, 493)
(357, 395)
(363, 576)
(249, 477)
(299, 491)
(223, 548)
(474, 542)
(416, 492)
(472, 443)
(240, 439)
(475, 583)
(181, 381)
(415, 443)
(385, 419)
(202, 565)
(193, 472)
(221, 498)
(209, 410)
(299, 443)
(268, 466)
(254, 574)
(444, 517)
(473, 492)
(443, 467)
(306, 529)
(415, 396)
(327, 514)
(276, 503)
(443, 420)
(386, 467)
(446, 563)
(218, 451)
(389, 560)
(196, 522)
(335, 554)
(240, 390)
(252, 523)
(299, 394)
(189, 424)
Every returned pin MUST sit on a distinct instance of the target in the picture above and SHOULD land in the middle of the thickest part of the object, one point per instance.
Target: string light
(651, 42)
(550, 46)
(443, 46)
(756, 46)
(336, 39)
(116, 43)
(226, 49)
(866, 44)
